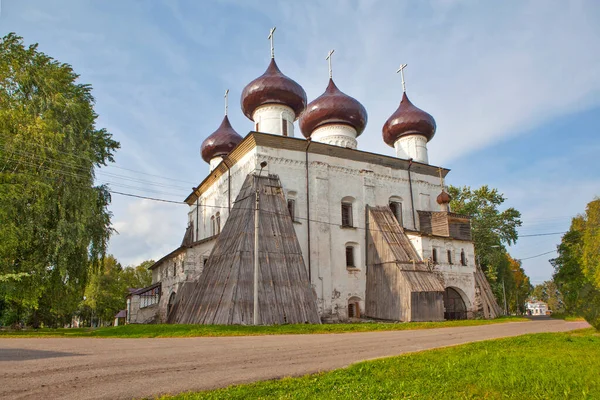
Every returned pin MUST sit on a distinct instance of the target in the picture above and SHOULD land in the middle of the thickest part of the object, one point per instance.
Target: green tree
(491, 230)
(54, 221)
(548, 293)
(577, 267)
(139, 276)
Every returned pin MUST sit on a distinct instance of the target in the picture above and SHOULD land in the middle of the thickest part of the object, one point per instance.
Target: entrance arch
(455, 307)
(171, 303)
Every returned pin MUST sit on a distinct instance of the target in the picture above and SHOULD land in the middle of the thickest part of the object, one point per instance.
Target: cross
(401, 70)
(226, 99)
(271, 32)
(328, 58)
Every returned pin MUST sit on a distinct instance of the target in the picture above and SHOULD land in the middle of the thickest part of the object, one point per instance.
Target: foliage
(577, 267)
(491, 230)
(107, 289)
(540, 366)
(519, 287)
(54, 222)
(548, 293)
(174, 330)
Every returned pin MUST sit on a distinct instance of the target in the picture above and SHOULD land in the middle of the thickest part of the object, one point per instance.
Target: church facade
(375, 232)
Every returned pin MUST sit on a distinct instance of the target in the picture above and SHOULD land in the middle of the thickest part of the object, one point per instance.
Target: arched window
(212, 226)
(449, 257)
(463, 258)
(354, 307)
(350, 257)
(171, 303)
(291, 204)
(218, 222)
(396, 208)
(434, 255)
(175, 268)
(347, 220)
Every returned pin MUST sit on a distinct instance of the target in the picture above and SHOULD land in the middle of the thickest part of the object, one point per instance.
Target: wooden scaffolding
(223, 293)
(400, 287)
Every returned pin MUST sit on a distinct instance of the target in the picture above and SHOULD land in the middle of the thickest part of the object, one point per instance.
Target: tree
(491, 230)
(108, 287)
(54, 222)
(520, 287)
(577, 266)
(548, 293)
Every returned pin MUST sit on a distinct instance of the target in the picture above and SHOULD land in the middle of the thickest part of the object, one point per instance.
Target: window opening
(350, 257)
(449, 256)
(218, 222)
(396, 208)
(346, 214)
(291, 203)
(434, 256)
(463, 258)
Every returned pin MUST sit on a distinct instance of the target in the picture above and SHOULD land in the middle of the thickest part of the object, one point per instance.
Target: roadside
(172, 330)
(519, 368)
(89, 368)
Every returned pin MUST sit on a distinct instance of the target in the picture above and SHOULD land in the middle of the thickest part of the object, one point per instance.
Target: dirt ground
(89, 368)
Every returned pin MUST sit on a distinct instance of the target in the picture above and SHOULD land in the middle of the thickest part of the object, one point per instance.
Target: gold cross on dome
(226, 99)
(401, 70)
(271, 32)
(328, 58)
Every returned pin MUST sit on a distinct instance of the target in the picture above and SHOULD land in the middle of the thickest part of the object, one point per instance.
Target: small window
(174, 268)
(218, 219)
(353, 309)
(284, 127)
(434, 256)
(291, 204)
(463, 258)
(205, 261)
(212, 226)
(350, 257)
(346, 214)
(449, 256)
(396, 208)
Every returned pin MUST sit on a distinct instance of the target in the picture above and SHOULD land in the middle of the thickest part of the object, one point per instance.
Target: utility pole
(504, 291)
(256, 230)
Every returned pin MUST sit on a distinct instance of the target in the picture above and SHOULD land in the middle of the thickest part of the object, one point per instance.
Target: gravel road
(90, 368)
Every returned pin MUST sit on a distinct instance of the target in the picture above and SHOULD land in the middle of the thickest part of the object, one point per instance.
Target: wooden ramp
(223, 294)
(487, 306)
(400, 287)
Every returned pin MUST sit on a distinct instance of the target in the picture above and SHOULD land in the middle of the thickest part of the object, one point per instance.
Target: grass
(567, 317)
(151, 331)
(539, 366)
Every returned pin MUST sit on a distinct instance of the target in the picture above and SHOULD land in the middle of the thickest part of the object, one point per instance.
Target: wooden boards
(399, 285)
(223, 294)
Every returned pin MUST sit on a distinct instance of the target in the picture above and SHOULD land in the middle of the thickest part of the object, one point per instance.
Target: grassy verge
(567, 317)
(540, 366)
(150, 331)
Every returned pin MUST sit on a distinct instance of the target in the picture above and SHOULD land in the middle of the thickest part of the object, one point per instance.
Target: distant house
(120, 318)
(535, 307)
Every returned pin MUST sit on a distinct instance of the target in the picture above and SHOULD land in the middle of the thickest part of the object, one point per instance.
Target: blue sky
(514, 88)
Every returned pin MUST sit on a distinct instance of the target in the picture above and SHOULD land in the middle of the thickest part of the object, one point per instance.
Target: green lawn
(540, 366)
(150, 331)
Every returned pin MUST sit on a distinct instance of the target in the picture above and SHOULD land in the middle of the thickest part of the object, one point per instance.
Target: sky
(514, 87)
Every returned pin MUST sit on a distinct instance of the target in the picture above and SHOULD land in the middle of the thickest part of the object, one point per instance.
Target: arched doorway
(454, 304)
(354, 307)
(171, 303)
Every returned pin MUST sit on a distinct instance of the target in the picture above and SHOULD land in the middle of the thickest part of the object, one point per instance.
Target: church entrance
(454, 305)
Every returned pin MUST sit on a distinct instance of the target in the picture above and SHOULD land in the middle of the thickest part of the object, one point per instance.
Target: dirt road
(86, 368)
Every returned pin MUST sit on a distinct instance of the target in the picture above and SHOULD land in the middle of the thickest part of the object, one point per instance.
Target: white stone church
(357, 234)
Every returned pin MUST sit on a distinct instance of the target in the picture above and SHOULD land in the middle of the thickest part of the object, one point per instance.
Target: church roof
(220, 142)
(408, 120)
(333, 107)
(273, 87)
(254, 139)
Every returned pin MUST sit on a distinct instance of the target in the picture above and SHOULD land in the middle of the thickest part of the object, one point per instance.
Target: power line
(537, 255)
(542, 234)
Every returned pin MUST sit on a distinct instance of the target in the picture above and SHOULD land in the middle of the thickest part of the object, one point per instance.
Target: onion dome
(220, 142)
(273, 87)
(333, 107)
(443, 198)
(408, 120)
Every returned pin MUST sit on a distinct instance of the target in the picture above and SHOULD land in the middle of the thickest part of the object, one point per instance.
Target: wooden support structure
(399, 287)
(223, 294)
(486, 302)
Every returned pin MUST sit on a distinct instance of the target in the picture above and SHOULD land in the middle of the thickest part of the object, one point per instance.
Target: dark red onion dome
(443, 198)
(333, 107)
(273, 87)
(220, 142)
(408, 120)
